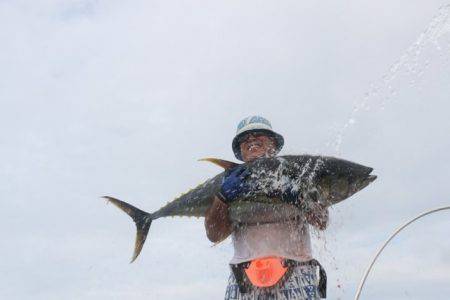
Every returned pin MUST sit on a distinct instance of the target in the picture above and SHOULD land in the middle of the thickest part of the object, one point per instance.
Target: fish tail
(142, 219)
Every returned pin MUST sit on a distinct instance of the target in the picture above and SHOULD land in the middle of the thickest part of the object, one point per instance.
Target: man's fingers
(237, 171)
(245, 173)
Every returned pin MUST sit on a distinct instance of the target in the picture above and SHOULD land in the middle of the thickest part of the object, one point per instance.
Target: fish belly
(246, 212)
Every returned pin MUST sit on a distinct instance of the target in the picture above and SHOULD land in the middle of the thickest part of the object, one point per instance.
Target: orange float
(266, 271)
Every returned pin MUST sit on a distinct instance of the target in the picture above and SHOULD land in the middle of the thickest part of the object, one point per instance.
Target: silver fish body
(316, 179)
(258, 212)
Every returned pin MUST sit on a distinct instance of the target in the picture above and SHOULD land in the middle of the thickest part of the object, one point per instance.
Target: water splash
(432, 45)
(411, 66)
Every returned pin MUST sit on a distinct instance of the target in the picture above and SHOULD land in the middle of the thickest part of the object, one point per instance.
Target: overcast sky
(121, 98)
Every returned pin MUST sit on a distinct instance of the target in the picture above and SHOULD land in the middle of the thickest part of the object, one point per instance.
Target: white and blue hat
(255, 124)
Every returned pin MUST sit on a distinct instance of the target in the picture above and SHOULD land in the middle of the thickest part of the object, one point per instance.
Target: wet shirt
(289, 239)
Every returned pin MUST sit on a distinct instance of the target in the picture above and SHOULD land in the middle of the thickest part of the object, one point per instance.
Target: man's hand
(234, 184)
(317, 216)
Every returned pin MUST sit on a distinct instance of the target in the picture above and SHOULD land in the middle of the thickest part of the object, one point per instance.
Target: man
(271, 260)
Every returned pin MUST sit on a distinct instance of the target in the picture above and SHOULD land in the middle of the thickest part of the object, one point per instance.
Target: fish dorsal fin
(220, 162)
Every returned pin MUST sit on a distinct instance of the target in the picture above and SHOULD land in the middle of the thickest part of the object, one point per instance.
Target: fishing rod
(363, 280)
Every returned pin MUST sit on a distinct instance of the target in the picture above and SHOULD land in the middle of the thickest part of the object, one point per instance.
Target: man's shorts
(302, 284)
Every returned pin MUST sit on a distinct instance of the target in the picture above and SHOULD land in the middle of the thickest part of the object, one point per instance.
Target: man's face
(255, 145)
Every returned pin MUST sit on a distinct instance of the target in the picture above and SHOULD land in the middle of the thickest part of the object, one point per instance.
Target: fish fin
(220, 162)
(142, 219)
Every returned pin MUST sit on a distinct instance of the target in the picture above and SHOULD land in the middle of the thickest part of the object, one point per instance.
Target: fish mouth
(362, 183)
(368, 180)
(372, 178)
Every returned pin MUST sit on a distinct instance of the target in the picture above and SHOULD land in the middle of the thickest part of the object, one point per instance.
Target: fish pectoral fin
(220, 162)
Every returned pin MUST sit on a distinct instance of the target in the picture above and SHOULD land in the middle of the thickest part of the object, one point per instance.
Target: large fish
(317, 179)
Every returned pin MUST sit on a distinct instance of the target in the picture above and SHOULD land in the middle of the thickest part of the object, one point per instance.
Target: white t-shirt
(289, 239)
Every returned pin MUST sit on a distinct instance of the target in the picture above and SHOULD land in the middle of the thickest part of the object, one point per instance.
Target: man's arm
(218, 226)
